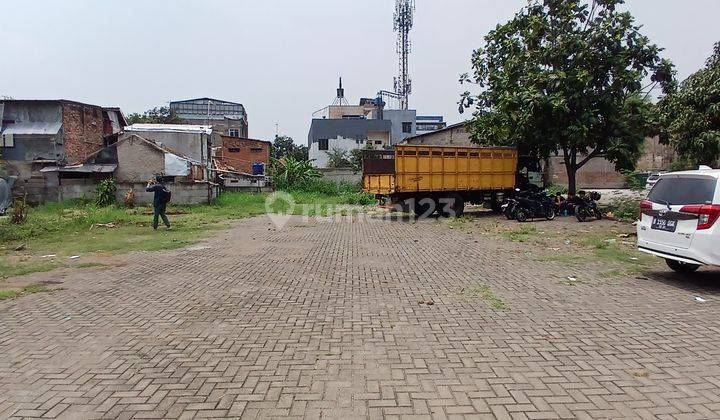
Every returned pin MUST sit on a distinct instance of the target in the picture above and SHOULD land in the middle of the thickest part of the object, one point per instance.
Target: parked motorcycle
(586, 206)
(508, 208)
(534, 206)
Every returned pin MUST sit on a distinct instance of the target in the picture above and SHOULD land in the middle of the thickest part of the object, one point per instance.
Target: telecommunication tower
(403, 22)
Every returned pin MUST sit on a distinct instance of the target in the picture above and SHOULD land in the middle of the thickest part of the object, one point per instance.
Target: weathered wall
(452, 136)
(182, 192)
(397, 118)
(138, 161)
(341, 175)
(37, 187)
(597, 173)
(71, 189)
(600, 173)
(319, 158)
(190, 145)
(83, 128)
(242, 153)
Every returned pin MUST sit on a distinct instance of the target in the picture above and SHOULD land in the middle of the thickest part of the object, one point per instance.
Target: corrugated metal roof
(46, 128)
(85, 168)
(170, 128)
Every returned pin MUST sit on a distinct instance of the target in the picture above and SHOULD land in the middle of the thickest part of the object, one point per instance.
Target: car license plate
(667, 225)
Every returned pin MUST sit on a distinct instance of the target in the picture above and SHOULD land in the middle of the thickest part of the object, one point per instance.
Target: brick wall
(242, 153)
(83, 128)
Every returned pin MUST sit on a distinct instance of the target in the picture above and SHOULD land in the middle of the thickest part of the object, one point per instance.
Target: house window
(256, 149)
(233, 132)
(407, 127)
(378, 141)
(323, 144)
(234, 150)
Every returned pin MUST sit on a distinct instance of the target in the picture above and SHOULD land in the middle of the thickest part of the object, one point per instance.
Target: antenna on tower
(403, 23)
(340, 99)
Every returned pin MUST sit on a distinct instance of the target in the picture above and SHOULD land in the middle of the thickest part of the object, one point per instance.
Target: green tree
(338, 158)
(285, 146)
(162, 115)
(691, 115)
(566, 77)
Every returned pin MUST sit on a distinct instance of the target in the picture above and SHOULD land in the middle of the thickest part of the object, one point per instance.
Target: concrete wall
(71, 189)
(319, 158)
(397, 117)
(138, 161)
(242, 153)
(600, 173)
(191, 145)
(341, 175)
(182, 193)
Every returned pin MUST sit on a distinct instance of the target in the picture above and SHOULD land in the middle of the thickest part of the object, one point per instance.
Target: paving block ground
(324, 320)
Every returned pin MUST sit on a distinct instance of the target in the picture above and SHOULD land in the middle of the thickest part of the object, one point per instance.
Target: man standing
(160, 200)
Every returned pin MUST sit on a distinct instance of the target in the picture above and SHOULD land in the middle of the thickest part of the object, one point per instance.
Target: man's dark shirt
(159, 198)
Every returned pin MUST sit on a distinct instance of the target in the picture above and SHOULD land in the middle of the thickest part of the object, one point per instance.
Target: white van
(679, 219)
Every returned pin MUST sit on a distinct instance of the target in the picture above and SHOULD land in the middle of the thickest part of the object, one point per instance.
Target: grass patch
(484, 292)
(520, 234)
(81, 227)
(567, 259)
(27, 290)
(90, 265)
(463, 223)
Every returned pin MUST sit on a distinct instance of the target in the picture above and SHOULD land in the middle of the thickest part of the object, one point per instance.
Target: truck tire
(454, 208)
(424, 207)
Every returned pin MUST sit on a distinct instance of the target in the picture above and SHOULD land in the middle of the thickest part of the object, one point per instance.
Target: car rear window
(683, 191)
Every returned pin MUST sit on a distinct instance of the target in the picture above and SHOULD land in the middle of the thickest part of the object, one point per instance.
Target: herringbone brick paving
(321, 320)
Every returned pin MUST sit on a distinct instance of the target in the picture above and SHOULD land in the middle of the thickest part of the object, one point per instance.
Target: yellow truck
(428, 179)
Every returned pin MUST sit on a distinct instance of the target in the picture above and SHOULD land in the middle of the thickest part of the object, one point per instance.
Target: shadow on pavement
(706, 280)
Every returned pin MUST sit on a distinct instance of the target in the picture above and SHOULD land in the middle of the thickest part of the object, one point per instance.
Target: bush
(625, 209)
(18, 213)
(554, 189)
(289, 173)
(105, 193)
(632, 180)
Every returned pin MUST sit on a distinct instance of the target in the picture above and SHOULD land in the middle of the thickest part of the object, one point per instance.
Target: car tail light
(646, 205)
(707, 214)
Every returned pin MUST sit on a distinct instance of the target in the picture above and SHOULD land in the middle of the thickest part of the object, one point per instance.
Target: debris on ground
(568, 241)
(20, 247)
(105, 225)
(571, 278)
(74, 257)
(699, 299)
(49, 256)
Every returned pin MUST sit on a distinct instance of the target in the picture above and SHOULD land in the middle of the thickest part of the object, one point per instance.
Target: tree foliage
(162, 115)
(691, 115)
(338, 158)
(285, 146)
(566, 77)
(289, 173)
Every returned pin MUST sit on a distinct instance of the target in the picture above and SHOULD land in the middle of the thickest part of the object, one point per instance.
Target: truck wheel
(681, 267)
(424, 207)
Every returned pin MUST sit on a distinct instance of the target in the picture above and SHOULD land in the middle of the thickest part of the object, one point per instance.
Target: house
(347, 127)
(226, 118)
(132, 161)
(240, 153)
(39, 133)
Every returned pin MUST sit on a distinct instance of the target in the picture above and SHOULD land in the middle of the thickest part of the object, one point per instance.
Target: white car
(652, 179)
(679, 219)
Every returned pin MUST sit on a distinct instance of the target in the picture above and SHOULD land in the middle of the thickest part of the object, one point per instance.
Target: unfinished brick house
(39, 133)
(241, 153)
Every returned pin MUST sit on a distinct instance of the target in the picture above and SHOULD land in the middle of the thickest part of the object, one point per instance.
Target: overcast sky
(280, 58)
